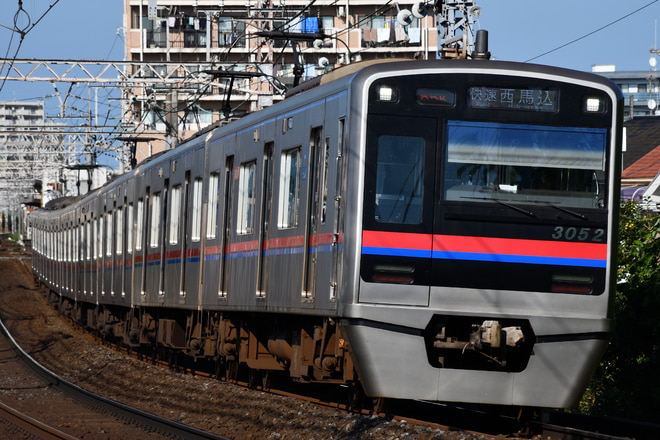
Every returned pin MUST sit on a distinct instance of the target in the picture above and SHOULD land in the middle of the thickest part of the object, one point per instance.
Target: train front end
(480, 264)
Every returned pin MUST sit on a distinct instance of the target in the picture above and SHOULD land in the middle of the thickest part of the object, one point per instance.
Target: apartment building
(271, 44)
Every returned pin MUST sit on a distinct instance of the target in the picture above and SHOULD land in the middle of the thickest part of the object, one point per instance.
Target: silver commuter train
(441, 230)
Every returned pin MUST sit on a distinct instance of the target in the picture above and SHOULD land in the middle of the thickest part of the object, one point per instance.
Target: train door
(95, 252)
(80, 253)
(120, 247)
(316, 176)
(228, 200)
(129, 215)
(140, 261)
(87, 289)
(174, 226)
(398, 210)
(194, 229)
(184, 231)
(338, 217)
(109, 250)
(161, 232)
(266, 209)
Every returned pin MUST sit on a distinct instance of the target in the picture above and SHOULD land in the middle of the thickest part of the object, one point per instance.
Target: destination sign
(505, 98)
(435, 97)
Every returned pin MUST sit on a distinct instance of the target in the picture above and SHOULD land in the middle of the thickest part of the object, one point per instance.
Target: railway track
(90, 411)
(15, 424)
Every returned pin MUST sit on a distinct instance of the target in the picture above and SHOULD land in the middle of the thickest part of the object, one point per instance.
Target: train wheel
(356, 397)
(265, 379)
(379, 404)
(231, 371)
(253, 376)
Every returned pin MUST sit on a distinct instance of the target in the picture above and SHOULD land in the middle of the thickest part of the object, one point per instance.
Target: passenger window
(246, 198)
(175, 214)
(119, 240)
(289, 200)
(212, 206)
(197, 209)
(139, 225)
(129, 229)
(155, 220)
(99, 237)
(399, 179)
(88, 241)
(109, 235)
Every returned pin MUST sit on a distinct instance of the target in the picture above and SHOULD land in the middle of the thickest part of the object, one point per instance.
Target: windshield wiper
(568, 211)
(508, 205)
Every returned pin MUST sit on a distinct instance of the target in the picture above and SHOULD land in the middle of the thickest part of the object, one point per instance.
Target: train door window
(109, 235)
(399, 179)
(78, 240)
(139, 225)
(246, 198)
(119, 213)
(197, 209)
(324, 195)
(155, 220)
(67, 244)
(99, 240)
(88, 239)
(289, 199)
(175, 214)
(94, 238)
(212, 206)
(129, 228)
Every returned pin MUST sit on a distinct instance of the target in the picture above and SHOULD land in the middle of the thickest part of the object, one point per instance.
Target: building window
(231, 33)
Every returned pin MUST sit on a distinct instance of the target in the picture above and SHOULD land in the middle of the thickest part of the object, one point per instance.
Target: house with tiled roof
(643, 170)
(641, 154)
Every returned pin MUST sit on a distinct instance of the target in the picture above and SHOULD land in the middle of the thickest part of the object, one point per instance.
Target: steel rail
(32, 426)
(118, 409)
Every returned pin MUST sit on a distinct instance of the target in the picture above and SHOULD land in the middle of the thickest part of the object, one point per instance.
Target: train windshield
(529, 164)
(399, 182)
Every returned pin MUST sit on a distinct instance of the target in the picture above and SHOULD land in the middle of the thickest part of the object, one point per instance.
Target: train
(443, 230)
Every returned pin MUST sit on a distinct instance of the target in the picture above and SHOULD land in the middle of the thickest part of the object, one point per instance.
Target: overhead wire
(23, 32)
(592, 32)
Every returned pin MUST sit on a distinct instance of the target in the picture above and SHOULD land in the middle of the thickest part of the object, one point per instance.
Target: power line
(23, 32)
(592, 32)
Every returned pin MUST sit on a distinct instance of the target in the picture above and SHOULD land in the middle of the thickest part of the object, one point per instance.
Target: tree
(627, 382)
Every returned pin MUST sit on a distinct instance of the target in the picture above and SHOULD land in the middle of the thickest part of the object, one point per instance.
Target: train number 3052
(578, 234)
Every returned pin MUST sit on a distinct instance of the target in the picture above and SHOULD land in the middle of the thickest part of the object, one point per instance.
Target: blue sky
(519, 30)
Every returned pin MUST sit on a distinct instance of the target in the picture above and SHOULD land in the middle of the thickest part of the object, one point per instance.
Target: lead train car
(439, 230)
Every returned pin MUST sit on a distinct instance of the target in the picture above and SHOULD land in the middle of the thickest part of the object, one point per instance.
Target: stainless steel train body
(440, 230)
